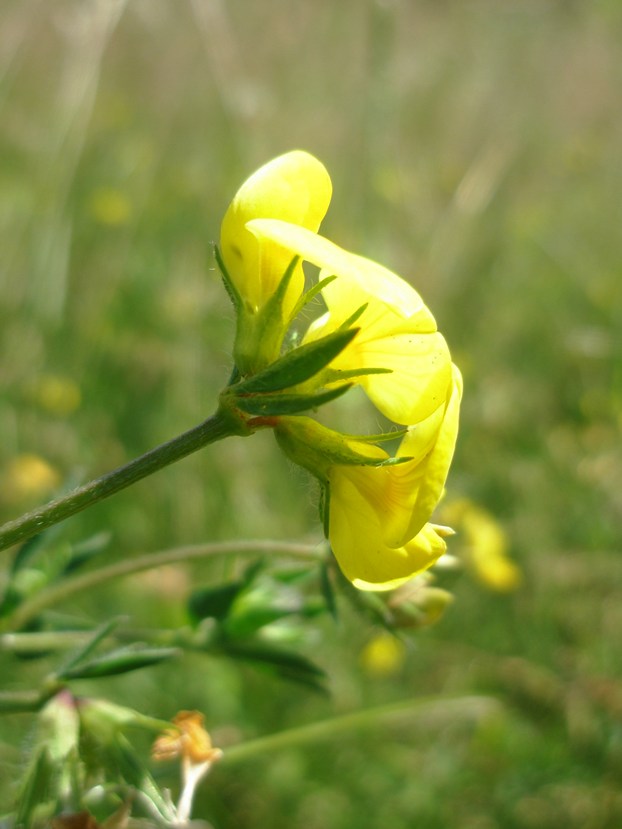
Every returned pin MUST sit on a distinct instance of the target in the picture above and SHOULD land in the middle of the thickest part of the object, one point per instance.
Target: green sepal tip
(298, 365)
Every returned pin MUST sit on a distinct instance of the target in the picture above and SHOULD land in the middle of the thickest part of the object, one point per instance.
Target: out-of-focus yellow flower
(294, 187)
(486, 554)
(378, 516)
(110, 206)
(27, 476)
(58, 395)
(383, 656)
(397, 331)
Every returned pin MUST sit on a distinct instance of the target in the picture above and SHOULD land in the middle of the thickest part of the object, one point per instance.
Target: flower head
(377, 332)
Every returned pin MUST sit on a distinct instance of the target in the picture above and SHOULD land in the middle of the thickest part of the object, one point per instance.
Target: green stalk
(72, 585)
(430, 712)
(221, 425)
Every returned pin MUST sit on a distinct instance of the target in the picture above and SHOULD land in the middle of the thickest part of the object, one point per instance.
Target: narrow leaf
(284, 663)
(37, 788)
(85, 550)
(84, 651)
(328, 592)
(214, 602)
(121, 661)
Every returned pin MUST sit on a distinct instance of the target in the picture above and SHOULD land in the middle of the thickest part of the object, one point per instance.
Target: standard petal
(294, 187)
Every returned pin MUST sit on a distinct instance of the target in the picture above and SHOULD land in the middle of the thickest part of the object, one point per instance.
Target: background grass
(474, 148)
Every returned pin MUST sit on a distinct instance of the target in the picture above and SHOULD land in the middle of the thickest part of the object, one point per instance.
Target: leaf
(328, 591)
(216, 602)
(36, 789)
(84, 651)
(286, 664)
(270, 405)
(119, 661)
(298, 365)
(84, 551)
(213, 602)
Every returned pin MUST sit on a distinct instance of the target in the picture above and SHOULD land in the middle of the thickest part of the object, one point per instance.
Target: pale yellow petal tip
(486, 546)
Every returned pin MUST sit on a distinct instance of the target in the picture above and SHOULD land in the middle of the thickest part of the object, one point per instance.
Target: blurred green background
(475, 148)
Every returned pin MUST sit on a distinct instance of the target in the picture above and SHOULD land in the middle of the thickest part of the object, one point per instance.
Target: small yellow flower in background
(110, 206)
(27, 477)
(383, 656)
(55, 394)
(486, 546)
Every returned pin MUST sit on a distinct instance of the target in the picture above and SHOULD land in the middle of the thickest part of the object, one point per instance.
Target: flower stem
(59, 592)
(429, 712)
(217, 427)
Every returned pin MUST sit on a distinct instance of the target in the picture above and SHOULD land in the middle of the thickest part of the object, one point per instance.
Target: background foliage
(475, 148)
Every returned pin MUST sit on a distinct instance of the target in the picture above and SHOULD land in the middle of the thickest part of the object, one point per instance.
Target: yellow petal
(397, 330)
(359, 273)
(356, 537)
(432, 472)
(420, 372)
(294, 187)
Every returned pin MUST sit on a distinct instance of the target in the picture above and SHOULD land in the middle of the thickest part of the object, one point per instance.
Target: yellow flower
(378, 513)
(397, 331)
(294, 187)
(383, 656)
(110, 206)
(27, 476)
(378, 516)
(486, 554)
